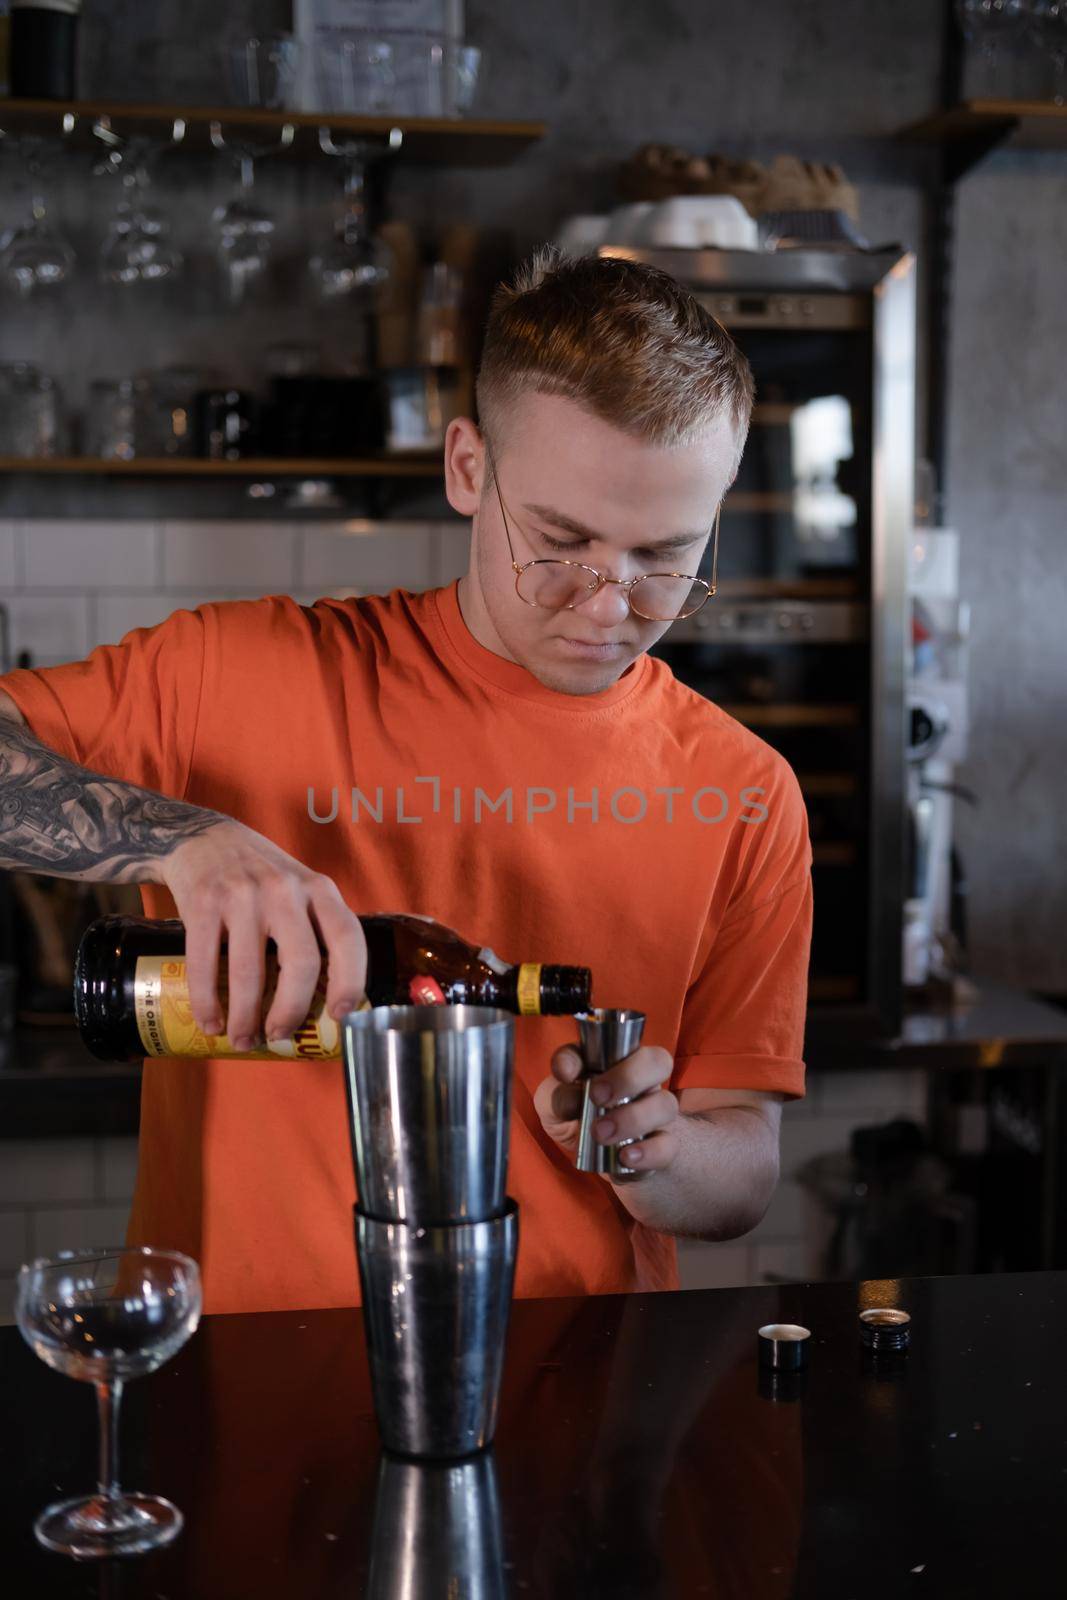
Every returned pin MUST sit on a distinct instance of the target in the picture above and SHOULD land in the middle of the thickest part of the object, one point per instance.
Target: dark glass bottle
(131, 997)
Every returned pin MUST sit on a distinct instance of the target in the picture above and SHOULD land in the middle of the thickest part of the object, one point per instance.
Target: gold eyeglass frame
(623, 583)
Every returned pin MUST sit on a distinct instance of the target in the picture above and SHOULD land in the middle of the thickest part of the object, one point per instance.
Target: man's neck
(477, 619)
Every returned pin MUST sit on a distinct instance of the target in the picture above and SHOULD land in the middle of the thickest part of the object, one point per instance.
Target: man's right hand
(230, 878)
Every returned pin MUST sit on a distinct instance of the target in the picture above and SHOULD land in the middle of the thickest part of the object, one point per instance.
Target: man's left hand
(649, 1117)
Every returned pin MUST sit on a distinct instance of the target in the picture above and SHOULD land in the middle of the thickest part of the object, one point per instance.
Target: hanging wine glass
(35, 255)
(1048, 28)
(245, 228)
(989, 25)
(355, 264)
(138, 248)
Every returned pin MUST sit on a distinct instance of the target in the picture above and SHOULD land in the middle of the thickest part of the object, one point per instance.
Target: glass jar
(111, 421)
(167, 425)
(30, 422)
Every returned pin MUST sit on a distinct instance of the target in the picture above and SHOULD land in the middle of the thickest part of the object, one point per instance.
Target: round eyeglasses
(558, 585)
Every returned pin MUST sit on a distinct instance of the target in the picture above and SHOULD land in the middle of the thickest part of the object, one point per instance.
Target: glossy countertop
(638, 1453)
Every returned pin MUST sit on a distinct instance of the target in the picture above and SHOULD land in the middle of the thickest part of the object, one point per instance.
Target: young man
(501, 755)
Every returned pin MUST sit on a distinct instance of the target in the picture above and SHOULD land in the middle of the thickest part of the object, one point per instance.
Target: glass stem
(108, 1401)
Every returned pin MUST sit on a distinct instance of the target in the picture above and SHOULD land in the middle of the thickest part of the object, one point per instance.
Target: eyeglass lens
(559, 585)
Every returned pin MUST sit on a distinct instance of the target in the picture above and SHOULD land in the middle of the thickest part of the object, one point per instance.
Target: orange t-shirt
(628, 846)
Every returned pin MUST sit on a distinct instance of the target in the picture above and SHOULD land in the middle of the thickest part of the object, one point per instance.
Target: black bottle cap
(885, 1328)
(784, 1346)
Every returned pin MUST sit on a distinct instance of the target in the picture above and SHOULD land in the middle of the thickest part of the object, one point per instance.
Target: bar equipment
(225, 424)
(421, 402)
(30, 421)
(169, 401)
(113, 419)
(429, 1097)
(106, 1316)
(262, 71)
(354, 75)
(467, 65)
(804, 641)
(604, 1037)
(44, 46)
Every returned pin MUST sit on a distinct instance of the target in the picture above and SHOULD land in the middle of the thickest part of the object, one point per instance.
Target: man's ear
(464, 465)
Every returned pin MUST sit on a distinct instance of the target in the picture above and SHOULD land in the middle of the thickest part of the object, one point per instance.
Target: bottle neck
(534, 990)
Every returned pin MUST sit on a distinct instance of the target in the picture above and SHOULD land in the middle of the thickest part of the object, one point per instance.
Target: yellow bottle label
(166, 1026)
(528, 989)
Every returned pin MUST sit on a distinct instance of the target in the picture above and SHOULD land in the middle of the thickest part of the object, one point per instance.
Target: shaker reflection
(437, 1531)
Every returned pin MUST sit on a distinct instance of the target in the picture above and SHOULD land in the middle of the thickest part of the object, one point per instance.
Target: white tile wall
(401, 557)
(116, 614)
(116, 1168)
(92, 555)
(77, 1228)
(453, 553)
(53, 626)
(37, 1170)
(70, 585)
(60, 1194)
(9, 577)
(14, 1240)
(257, 557)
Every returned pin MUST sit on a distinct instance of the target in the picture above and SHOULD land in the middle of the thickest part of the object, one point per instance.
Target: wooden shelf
(969, 131)
(828, 988)
(451, 141)
(787, 588)
(386, 466)
(785, 715)
(833, 853)
(774, 414)
(827, 783)
(760, 500)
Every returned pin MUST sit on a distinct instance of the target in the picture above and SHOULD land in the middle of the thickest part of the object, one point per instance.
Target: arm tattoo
(64, 821)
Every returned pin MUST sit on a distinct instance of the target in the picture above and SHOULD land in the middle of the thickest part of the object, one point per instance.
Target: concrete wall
(830, 78)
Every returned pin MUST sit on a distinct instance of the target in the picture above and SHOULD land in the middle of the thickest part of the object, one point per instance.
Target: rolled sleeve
(744, 1013)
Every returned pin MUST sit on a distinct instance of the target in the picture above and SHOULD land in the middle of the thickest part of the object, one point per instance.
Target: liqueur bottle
(131, 994)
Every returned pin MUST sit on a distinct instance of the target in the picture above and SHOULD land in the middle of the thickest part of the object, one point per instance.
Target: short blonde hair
(622, 338)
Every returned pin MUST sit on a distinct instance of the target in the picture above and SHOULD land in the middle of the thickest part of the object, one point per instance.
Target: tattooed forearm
(67, 822)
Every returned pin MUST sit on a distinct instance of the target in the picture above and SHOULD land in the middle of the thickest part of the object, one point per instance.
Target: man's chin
(578, 678)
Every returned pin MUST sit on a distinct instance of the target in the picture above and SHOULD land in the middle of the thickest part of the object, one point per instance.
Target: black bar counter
(638, 1454)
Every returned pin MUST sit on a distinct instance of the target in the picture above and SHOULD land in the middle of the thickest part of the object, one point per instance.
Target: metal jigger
(429, 1099)
(604, 1037)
